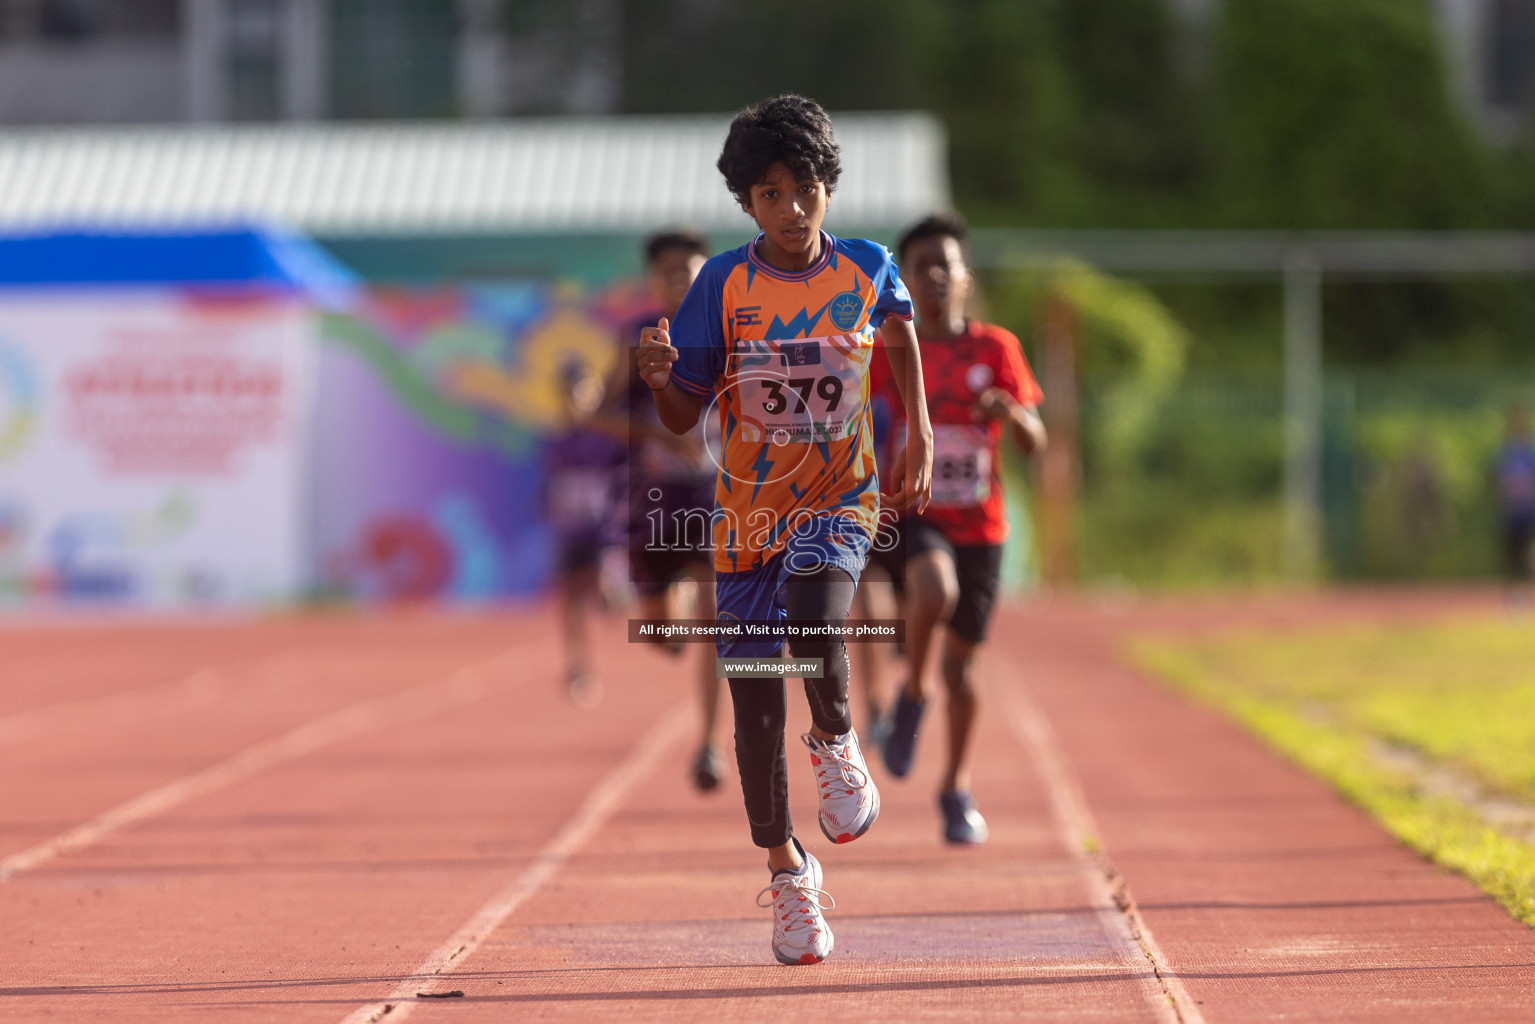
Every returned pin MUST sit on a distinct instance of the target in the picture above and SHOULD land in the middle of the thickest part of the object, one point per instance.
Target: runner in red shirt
(978, 387)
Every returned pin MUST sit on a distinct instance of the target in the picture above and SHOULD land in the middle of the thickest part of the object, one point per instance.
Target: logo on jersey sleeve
(845, 311)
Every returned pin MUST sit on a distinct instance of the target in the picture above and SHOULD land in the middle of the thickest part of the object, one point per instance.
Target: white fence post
(1302, 414)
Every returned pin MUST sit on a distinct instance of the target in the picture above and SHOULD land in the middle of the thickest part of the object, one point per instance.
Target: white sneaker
(849, 798)
(800, 933)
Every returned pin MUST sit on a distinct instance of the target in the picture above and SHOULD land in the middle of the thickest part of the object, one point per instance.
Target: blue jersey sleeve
(890, 295)
(698, 333)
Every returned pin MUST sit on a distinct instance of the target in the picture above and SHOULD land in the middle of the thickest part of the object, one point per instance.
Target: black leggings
(762, 705)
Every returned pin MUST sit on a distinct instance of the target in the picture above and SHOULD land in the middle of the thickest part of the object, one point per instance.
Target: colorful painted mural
(434, 408)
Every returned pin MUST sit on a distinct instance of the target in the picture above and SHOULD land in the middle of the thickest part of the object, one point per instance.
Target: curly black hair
(935, 225)
(674, 238)
(789, 129)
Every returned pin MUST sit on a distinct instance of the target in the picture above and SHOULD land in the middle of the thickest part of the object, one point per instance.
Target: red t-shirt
(967, 500)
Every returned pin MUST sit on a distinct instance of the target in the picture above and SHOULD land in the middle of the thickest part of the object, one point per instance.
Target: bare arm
(1028, 430)
(614, 417)
(912, 474)
(611, 417)
(678, 409)
(1023, 422)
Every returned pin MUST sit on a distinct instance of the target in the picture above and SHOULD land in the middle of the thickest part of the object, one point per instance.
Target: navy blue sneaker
(962, 823)
(878, 731)
(901, 743)
(707, 768)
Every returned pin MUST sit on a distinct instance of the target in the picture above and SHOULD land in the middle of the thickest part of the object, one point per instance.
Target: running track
(316, 818)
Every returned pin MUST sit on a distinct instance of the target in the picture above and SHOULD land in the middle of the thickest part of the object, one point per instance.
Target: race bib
(580, 498)
(808, 390)
(961, 466)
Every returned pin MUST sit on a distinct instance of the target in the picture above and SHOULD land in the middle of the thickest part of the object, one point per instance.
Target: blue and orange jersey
(783, 361)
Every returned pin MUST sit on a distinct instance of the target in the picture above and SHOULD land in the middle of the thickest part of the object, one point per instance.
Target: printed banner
(152, 445)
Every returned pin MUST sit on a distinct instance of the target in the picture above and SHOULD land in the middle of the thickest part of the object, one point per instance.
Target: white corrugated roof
(565, 174)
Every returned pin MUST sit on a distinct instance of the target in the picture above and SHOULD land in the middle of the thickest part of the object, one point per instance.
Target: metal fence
(1197, 498)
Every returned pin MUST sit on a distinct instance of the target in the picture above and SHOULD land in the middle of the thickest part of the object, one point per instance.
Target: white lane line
(1110, 897)
(593, 813)
(197, 690)
(464, 686)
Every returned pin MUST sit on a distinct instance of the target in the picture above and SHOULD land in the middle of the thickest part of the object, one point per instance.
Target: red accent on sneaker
(809, 958)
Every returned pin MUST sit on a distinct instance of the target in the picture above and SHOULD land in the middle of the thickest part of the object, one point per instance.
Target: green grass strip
(1441, 829)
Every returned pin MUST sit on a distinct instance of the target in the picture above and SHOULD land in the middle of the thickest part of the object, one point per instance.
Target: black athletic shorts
(1519, 549)
(654, 571)
(581, 550)
(888, 551)
(670, 532)
(978, 568)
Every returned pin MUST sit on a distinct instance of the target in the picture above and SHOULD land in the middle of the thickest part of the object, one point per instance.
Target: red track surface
(288, 820)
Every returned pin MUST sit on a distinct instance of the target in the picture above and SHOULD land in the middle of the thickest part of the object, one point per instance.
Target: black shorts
(670, 529)
(654, 571)
(581, 550)
(1519, 549)
(888, 551)
(978, 568)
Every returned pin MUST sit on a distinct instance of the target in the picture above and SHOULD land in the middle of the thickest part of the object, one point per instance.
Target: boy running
(585, 481)
(977, 384)
(774, 339)
(1515, 473)
(671, 488)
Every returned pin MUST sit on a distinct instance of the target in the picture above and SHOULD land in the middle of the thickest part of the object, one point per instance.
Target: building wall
(1490, 46)
(81, 61)
(108, 81)
(114, 61)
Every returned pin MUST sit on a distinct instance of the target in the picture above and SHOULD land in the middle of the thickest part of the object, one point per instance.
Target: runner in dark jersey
(1515, 473)
(671, 490)
(883, 583)
(978, 387)
(584, 488)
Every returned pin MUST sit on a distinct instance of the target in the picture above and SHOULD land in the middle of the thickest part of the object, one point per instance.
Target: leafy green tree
(1337, 115)
(1057, 112)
